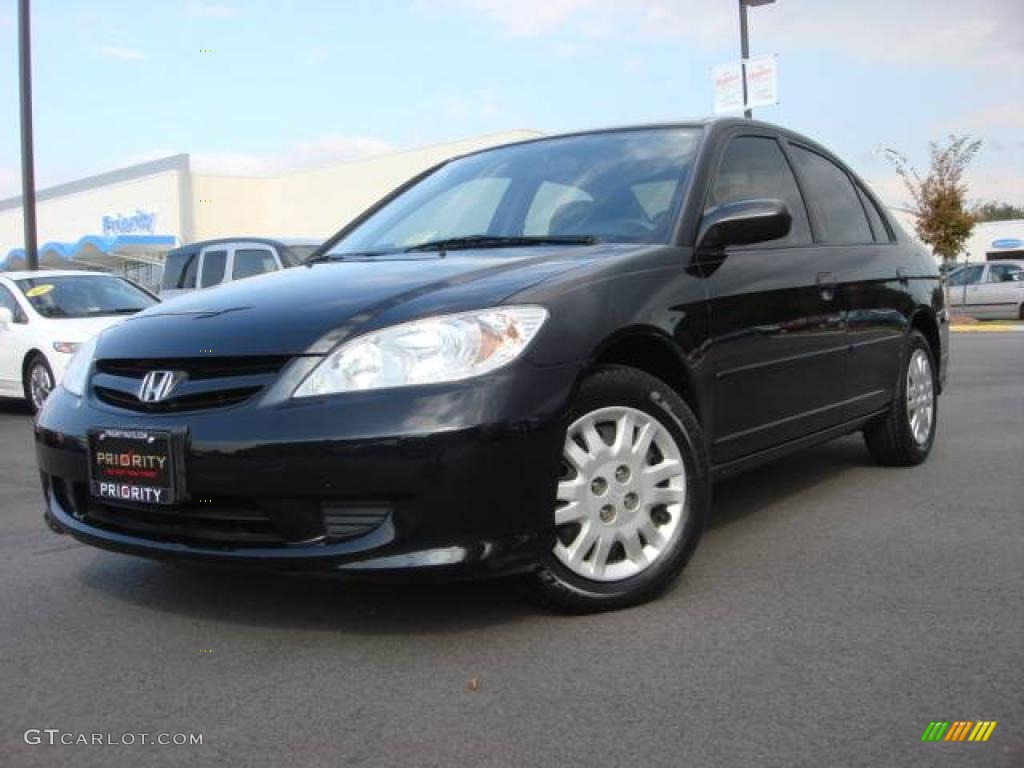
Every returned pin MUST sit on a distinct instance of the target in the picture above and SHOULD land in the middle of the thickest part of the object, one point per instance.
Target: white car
(45, 315)
(990, 291)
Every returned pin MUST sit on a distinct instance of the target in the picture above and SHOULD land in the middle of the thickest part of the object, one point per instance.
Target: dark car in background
(536, 358)
(207, 263)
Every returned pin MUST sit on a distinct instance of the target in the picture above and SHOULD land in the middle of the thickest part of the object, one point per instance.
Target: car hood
(308, 309)
(79, 329)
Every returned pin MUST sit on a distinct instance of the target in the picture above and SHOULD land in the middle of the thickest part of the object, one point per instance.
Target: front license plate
(133, 465)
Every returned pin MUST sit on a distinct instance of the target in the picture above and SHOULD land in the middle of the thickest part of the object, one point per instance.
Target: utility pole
(745, 46)
(28, 178)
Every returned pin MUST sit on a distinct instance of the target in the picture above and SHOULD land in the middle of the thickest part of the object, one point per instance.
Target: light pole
(28, 176)
(745, 45)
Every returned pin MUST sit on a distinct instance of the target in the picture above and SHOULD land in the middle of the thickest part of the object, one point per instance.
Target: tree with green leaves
(942, 217)
(992, 210)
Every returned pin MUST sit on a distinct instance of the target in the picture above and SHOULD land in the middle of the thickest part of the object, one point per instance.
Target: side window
(7, 300)
(1004, 273)
(213, 268)
(553, 204)
(836, 200)
(188, 277)
(252, 261)
(878, 228)
(970, 275)
(755, 167)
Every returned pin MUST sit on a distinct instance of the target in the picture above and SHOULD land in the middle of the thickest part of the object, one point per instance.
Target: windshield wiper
(115, 311)
(332, 256)
(501, 241)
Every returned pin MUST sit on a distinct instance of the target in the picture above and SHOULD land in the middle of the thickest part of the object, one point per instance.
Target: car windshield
(83, 296)
(620, 186)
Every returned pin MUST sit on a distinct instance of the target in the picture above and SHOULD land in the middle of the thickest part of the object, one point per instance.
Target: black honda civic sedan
(536, 358)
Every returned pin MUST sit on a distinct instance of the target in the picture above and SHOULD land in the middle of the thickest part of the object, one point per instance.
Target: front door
(14, 343)
(778, 342)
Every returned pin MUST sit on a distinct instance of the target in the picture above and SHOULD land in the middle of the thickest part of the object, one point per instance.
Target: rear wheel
(38, 382)
(904, 436)
(632, 494)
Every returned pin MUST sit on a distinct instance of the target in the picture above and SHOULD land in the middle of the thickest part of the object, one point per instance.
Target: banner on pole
(728, 80)
(762, 81)
(761, 73)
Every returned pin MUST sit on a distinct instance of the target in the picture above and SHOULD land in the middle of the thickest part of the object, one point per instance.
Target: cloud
(120, 53)
(1003, 118)
(212, 10)
(483, 104)
(932, 32)
(320, 151)
(983, 183)
(10, 181)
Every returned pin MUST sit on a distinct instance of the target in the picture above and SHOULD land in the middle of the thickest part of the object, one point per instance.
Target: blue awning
(87, 249)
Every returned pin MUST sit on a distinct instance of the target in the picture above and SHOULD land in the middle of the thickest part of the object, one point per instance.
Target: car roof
(717, 123)
(44, 273)
(285, 241)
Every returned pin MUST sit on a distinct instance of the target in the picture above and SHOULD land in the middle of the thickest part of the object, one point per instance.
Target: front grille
(210, 382)
(199, 401)
(343, 520)
(225, 522)
(216, 523)
(197, 368)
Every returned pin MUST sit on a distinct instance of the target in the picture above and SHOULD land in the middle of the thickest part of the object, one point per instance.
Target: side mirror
(6, 318)
(743, 223)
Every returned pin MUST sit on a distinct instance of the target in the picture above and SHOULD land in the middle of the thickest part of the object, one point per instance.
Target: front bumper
(454, 480)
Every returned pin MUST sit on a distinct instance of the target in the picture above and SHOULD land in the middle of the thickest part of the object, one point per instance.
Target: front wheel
(632, 495)
(38, 383)
(903, 437)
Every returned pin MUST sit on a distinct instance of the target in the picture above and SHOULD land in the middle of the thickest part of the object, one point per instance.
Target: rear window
(180, 270)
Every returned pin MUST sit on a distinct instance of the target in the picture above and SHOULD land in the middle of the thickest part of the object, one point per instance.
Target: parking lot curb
(988, 328)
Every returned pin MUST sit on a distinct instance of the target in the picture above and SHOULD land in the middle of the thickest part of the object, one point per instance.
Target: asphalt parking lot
(833, 609)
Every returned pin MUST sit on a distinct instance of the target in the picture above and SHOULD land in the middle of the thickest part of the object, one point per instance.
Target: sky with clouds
(261, 86)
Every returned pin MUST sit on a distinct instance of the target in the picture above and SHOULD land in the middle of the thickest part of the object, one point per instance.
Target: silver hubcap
(621, 496)
(920, 397)
(40, 385)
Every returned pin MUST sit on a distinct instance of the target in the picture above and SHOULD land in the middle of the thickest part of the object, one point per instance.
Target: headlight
(429, 351)
(67, 347)
(77, 372)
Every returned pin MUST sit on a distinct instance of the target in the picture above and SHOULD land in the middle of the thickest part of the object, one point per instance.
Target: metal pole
(28, 177)
(744, 54)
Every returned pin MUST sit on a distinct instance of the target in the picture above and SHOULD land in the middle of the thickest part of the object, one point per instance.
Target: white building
(989, 239)
(127, 219)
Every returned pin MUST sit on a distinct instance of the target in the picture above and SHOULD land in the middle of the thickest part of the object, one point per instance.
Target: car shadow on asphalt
(306, 602)
(13, 405)
(409, 607)
(744, 495)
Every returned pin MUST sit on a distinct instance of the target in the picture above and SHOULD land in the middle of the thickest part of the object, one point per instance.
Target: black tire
(890, 438)
(36, 361)
(561, 589)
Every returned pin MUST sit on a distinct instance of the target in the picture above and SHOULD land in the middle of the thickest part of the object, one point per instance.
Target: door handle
(826, 285)
(901, 275)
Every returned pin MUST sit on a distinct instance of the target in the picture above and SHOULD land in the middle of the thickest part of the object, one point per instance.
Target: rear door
(963, 283)
(778, 342)
(874, 282)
